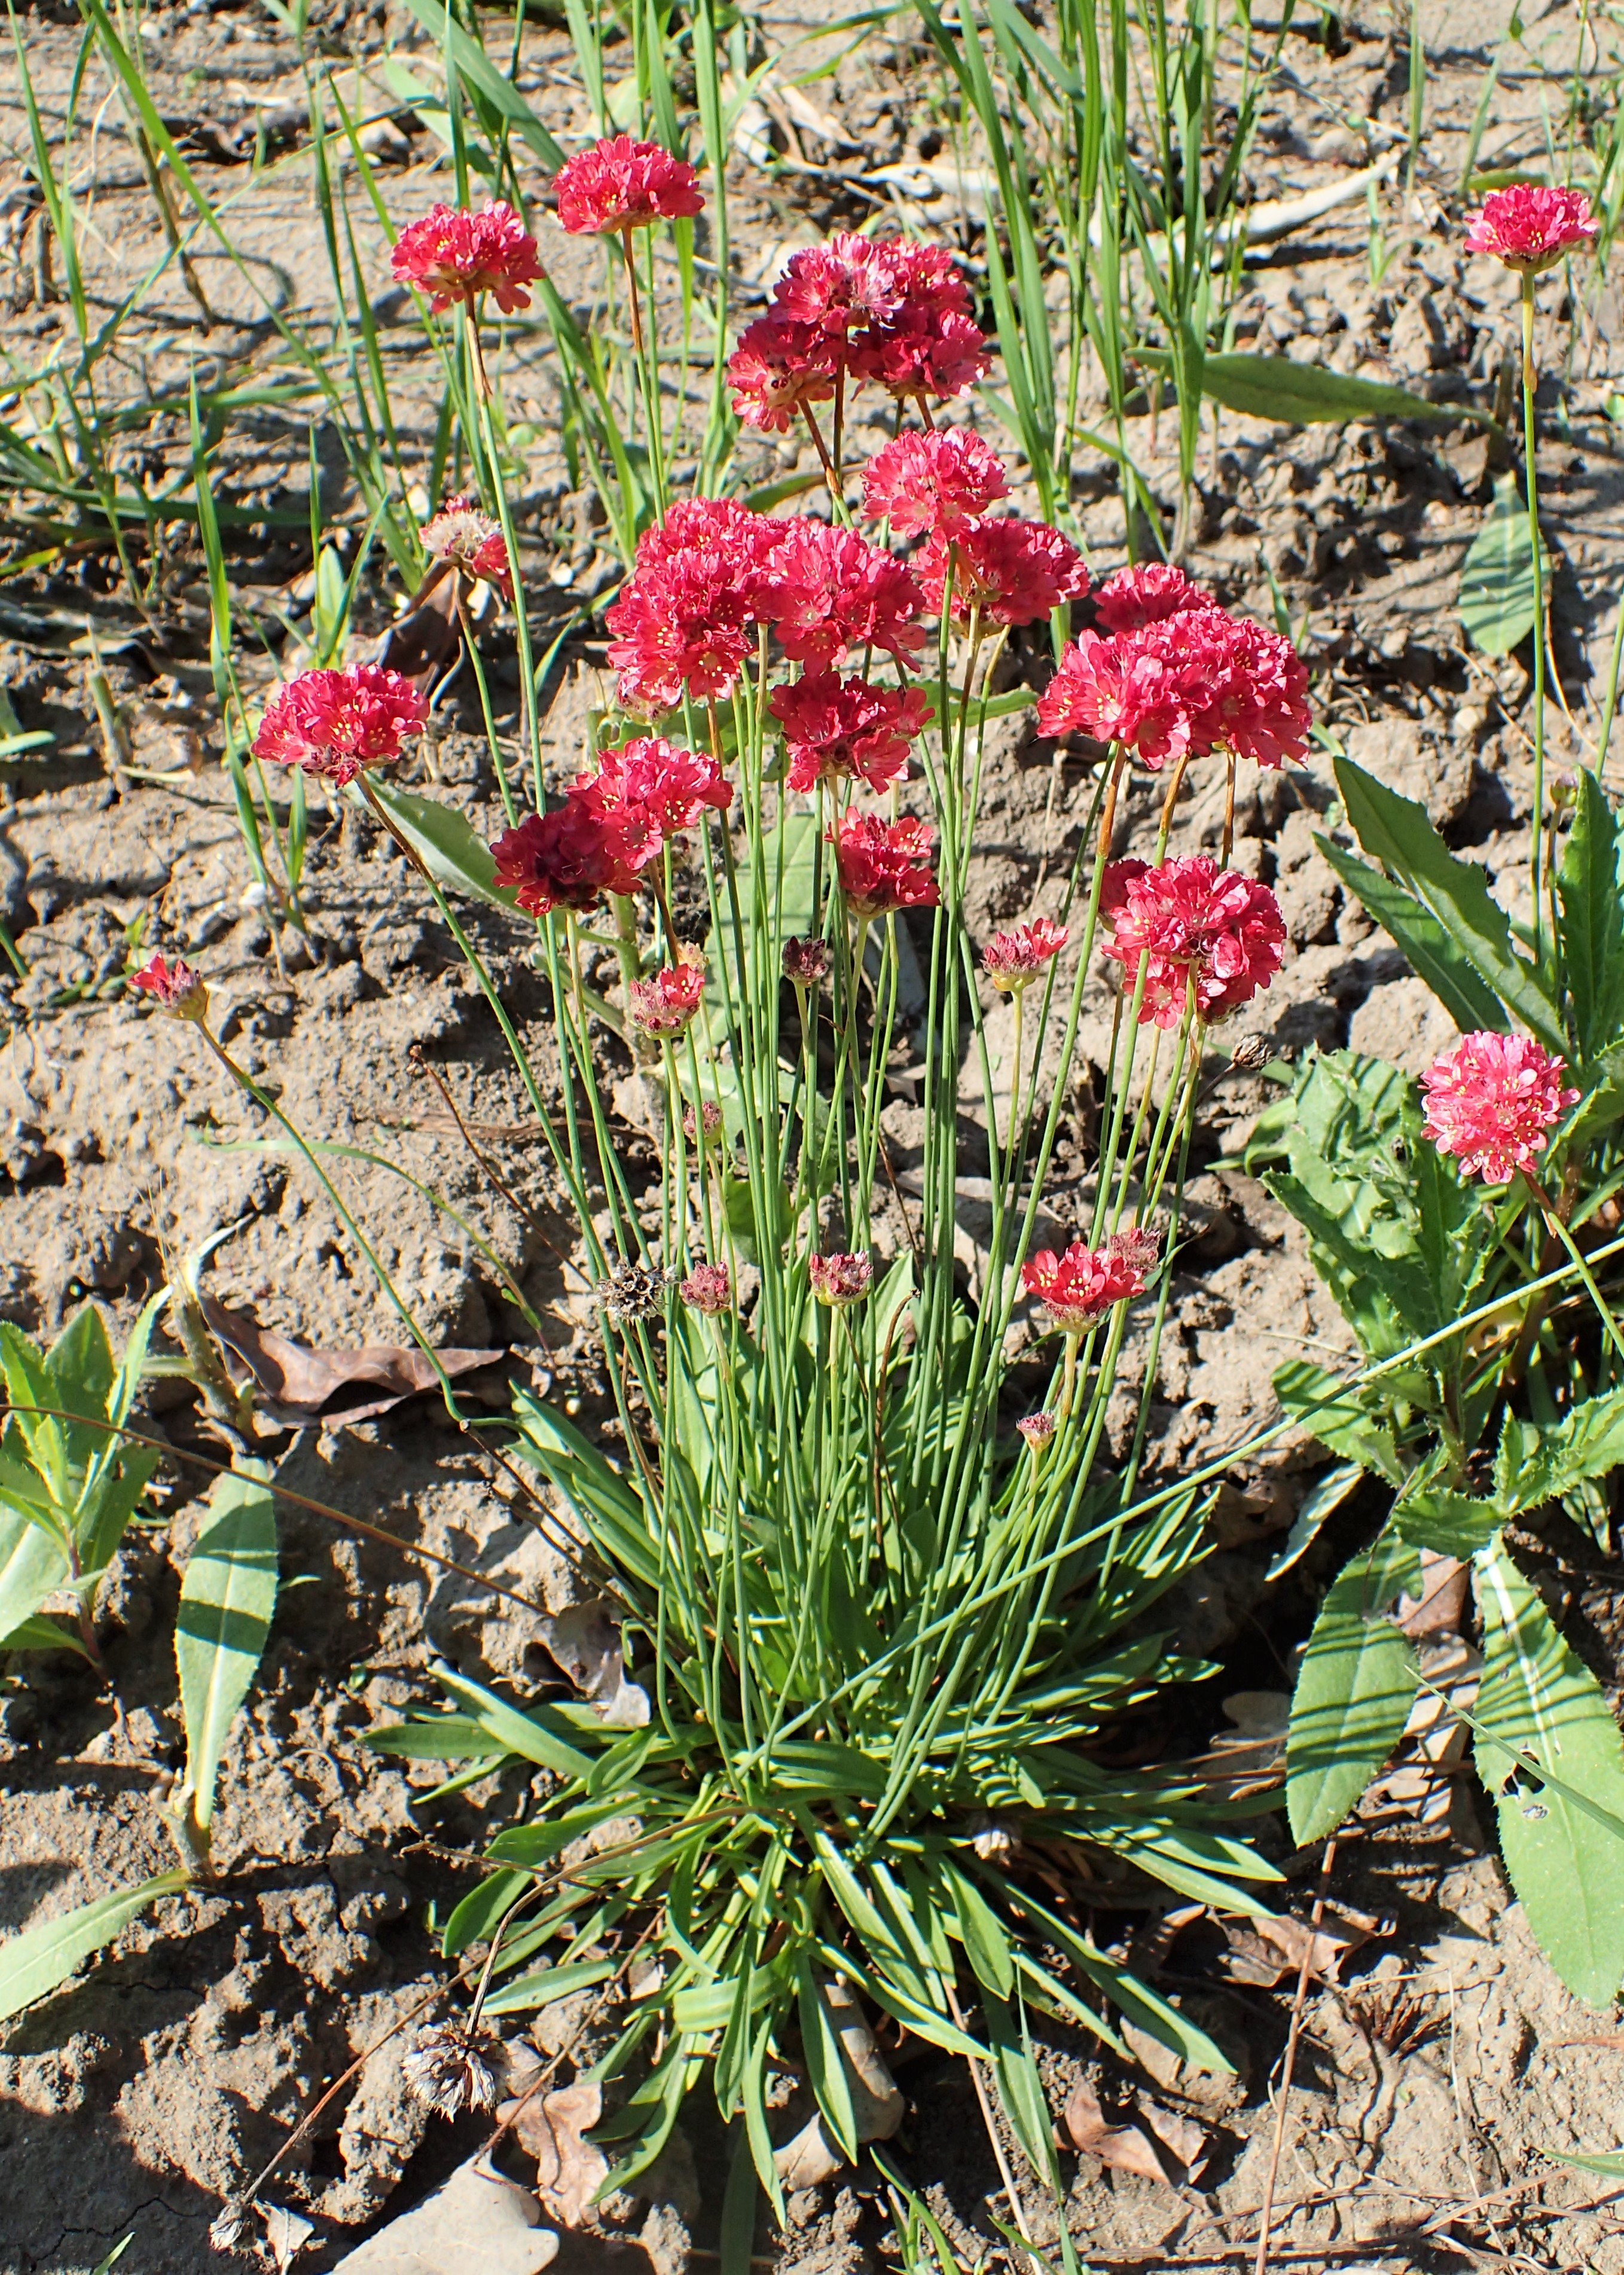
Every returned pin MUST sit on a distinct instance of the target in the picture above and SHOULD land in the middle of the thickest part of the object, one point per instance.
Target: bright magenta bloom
(831, 591)
(666, 1003)
(1016, 572)
(845, 285)
(175, 987)
(686, 618)
(1076, 1288)
(472, 541)
(1492, 1100)
(840, 1278)
(1147, 595)
(841, 729)
(1189, 919)
(334, 724)
(940, 480)
(1118, 692)
(555, 860)
(644, 792)
(454, 254)
(619, 185)
(1530, 227)
(1011, 959)
(777, 366)
(707, 1289)
(1194, 680)
(929, 345)
(882, 867)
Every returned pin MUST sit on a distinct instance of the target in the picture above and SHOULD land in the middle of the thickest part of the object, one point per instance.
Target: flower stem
(1554, 1218)
(1531, 490)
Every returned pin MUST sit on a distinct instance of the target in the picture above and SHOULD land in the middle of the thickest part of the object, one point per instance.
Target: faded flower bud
(226, 2229)
(1252, 1052)
(707, 1289)
(840, 1278)
(993, 1842)
(631, 1293)
(709, 1120)
(447, 2066)
(806, 962)
(175, 987)
(1036, 1429)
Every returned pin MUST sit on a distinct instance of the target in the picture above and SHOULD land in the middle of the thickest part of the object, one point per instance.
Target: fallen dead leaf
(1436, 1610)
(1265, 1951)
(1180, 2135)
(1123, 2147)
(877, 2105)
(477, 2224)
(586, 1643)
(569, 2171)
(286, 2234)
(295, 1382)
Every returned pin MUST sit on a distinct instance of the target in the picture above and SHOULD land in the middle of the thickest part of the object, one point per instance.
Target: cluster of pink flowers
(1076, 1288)
(1176, 675)
(1012, 960)
(883, 866)
(1492, 1101)
(853, 309)
(707, 1289)
(840, 729)
(610, 827)
(335, 723)
(454, 256)
(1531, 226)
(465, 538)
(666, 1003)
(617, 184)
(1187, 921)
(840, 1278)
(174, 987)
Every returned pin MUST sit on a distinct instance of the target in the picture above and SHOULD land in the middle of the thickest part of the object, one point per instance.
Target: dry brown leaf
(295, 1382)
(423, 640)
(569, 2171)
(286, 2234)
(586, 1643)
(1436, 1610)
(1123, 2147)
(1180, 2135)
(477, 2224)
(1265, 1951)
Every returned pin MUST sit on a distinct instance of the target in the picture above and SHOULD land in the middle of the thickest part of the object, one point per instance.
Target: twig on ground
(1265, 2211)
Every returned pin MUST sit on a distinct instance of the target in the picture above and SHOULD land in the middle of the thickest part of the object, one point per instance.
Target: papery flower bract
(555, 860)
(830, 592)
(707, 1289)
(1530, 226)
(846, 284)
(806, 962)
(1011, 573)
(1492, 1100)
(644, 792)
(174, 987)
(840, 729)
(939, 480)
(777, 367)
(456, 254)
(666, 1003)
(617, 184)
(1076, 1288)
(333, 723)
(1011, 959)
(882, 866)
(472, 541)
(1146, 593)
(631, 1293)
(840, 1278)
(1036, 1429)
(1191, 919)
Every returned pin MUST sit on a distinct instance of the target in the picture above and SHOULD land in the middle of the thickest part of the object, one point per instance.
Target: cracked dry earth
(133, 2100)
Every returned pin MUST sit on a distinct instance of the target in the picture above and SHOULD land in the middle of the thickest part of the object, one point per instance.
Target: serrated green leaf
(1342, 1416)
(34, 1963)
(1535, 1462)
(1437, 959)
(1355, 1691)
(1591, 906)
(1497, 576)
(228, 1595)
(1449, 1522)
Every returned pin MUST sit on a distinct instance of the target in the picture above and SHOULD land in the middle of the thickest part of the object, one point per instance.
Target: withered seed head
(446, 2065)
(1250, 1052)
(226, 2229)
(631, 1292)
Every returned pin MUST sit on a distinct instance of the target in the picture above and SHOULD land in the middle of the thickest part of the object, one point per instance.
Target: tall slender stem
(1531, 491)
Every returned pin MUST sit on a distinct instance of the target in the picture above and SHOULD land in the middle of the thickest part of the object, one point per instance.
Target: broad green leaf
(31, 1568)
(30, 1385)
(1275, 387)
(31, 1964)
(826, 2062)
(1537, 1462)
(1539, 1699)
(445, 843)
(1343, 1419)
(981, 1932)
(543, 1737)
(1592, 919)
(1354, 1693)
(547, 1986)
(1396, 830)
(227, 1595)
(80, 1364)
(1319, 1504)
(1497, 576)
(1449, 1522)
(1436, 957)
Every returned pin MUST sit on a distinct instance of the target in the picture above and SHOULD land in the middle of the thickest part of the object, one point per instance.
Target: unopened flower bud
(707, 1289)
(709, 1121)
(806, 962)
(840, 1278)
(226, 2229)
(1036, 1429)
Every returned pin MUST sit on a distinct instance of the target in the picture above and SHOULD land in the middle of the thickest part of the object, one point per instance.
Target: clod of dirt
(477, 2224)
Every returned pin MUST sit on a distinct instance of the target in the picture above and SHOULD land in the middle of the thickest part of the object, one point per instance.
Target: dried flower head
(335, 723)
(1012, 959)
(841, 730)
(555, 860)
(618, 184)
(665, 1003)
(938, 481)
(1531, 226)
(632, 1292)
(1076, 1288)
(993, 1842)
(174, 987)
(454, 254)
(225, 2230)
(1492, 1100)
(707, 1127)
(1036, 1429)
(707, 1289)
(884, 866)
(449, 2068)
(1191, 921)
(840, 1278)
(472, 541)
(806, 962)
(1251, 1053)
(1004, 572)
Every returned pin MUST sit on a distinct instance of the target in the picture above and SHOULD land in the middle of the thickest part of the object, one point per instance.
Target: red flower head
(618, 184)
(840, 1278)
(885, 867)
(777, 367)
(556, 860)
(940, 480)
(1258, 706)
(666, 1003)
(832, 591)
(1492, 1100)
(1530, 227)
(928, 345)
(740, 541)
(1036, 1429)
(644, 792)
(686, 618)
(1115, 691)
(838, 729)
(846, 285)
(472, 541)
(1146, 595)
(806, 962)
(707, 1289)
(1191, 919)
(1011, 959)
(454, 254)
(1194, 680)
(1076, 1288)
(175, 987)
(333, 723)
(1016, 572)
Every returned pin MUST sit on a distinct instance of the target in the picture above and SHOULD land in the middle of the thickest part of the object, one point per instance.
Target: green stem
(1531, 489)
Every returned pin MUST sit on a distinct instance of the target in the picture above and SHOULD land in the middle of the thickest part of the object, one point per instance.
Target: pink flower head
(1492, 1100)
(555, 860)
(472, 541)
(1076, 1288)
(929, 345)
(777, 367)
(175, 987)
(1530, 226)
(884, 866)
(840, 1278)
(1113, 691)
(806, 962)
(1191, 919)
(1147, 595)
(1013, 572)
(454, 254)
(831, 591)
(1011, 959)
(684, 624)
(940, 480)
(333, 723)
(707, 1289)
(738, 541)
(1258, 707)
(644, 792)
(846, 285)
(1036, 1429)
(666, 1003)
(618, 184)
(841, 729)
(1194, 680)
(707, 1126)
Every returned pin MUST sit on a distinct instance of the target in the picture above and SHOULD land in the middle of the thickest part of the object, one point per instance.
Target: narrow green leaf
(474, 64)
(985, 1943)
(540, 1738)
(227, 1595)
(547, 1986)
(1354, 1693)
(42, 1634)
(32, 1566)
(446, 1738)
(1592, 919)
(475, 1919)
(1437, 959)
(825, 2063)
(31, 1964)
(1276, 389)
(445, 843)
(1609, 2162)
(1497, 576)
